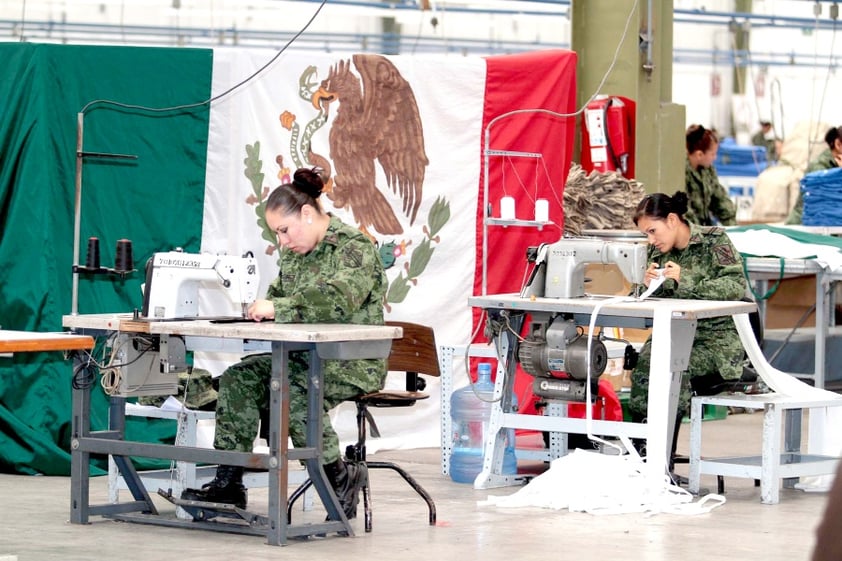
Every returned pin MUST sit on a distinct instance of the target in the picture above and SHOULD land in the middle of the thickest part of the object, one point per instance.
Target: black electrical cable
(83, 374)
(216, 97)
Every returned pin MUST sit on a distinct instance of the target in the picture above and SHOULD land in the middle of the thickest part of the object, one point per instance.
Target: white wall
(785, 94)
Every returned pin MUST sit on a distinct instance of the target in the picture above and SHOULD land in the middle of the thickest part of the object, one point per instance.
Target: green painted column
(741, 35)
(642, 72)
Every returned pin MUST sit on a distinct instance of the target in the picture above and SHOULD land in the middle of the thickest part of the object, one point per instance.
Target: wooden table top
(27, 341)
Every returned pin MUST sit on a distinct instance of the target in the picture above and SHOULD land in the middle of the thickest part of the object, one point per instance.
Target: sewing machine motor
(556, 353)
(144, 365)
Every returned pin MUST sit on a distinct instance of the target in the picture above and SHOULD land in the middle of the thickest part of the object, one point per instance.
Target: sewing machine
(173, 280)
(555, 350)
(559, 270)
(143, 364)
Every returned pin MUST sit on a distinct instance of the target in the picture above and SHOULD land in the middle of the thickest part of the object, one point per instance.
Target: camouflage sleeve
(718, 275)
(796, 215)
(336, 291)
(721, 205)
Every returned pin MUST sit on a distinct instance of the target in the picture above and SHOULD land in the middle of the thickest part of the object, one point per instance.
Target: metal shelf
(518, 223)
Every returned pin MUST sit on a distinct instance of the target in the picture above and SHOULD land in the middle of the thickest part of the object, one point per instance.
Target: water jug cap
(484, 369)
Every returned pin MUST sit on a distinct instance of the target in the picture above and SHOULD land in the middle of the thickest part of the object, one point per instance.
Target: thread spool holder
(81, 155)
(488, 153)
(82, 269)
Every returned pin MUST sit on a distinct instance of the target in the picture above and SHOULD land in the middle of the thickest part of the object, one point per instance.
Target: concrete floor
(35, 511)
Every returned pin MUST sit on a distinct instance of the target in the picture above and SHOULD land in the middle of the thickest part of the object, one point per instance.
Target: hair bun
(680, 203)
(309, 182)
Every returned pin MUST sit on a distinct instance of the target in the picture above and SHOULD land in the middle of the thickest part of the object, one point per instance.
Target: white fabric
(765, 243)
(586, 481)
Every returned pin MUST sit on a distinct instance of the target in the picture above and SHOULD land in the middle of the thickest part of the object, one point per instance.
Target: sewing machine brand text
(184, 263)
(564, 252)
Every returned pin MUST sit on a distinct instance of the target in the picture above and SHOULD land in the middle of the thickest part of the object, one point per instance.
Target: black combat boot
(227, 487)
(639, 443)
(347, 479)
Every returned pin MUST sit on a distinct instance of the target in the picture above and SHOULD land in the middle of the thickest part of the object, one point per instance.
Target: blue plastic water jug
(471, 413)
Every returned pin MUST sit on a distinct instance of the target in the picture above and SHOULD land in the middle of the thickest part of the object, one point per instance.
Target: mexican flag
(407, 142)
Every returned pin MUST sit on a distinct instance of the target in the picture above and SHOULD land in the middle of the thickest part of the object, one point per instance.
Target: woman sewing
(330, 273)
(698, 263)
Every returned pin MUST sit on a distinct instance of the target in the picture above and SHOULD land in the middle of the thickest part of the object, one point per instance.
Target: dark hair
(698, 137)
(305, 189)
(831, 136)
(659, 205)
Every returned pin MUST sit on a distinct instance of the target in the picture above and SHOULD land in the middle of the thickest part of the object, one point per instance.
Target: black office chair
(415, 354)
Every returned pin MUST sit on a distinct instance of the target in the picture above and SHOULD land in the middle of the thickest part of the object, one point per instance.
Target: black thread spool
(92, 259)
(123, 262)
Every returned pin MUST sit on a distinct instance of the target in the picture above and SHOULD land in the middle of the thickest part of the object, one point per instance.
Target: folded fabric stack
(822, 198)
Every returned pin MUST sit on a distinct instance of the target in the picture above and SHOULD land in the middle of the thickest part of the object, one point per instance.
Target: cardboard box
(781, 316)
(790, 302)
(795, 291)
(608, 280)
(614, 374)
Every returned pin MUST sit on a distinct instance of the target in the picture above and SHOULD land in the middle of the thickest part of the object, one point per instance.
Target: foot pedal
(202, 511)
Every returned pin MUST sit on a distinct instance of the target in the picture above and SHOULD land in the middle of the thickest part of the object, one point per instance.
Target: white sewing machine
(174, 279)
(560, 267)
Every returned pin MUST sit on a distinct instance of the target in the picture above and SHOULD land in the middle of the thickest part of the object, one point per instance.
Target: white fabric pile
(587, 481)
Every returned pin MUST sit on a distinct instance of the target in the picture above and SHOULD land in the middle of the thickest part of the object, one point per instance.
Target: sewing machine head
(174, 280)
(560, 267)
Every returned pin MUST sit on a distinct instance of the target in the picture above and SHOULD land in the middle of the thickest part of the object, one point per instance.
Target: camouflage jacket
(340, 281)
(823, 161)
(711, 269)
(707, 197)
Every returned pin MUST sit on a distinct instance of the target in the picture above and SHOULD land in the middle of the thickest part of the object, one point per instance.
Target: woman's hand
(652, 273)
(260, 310)
(671, 270)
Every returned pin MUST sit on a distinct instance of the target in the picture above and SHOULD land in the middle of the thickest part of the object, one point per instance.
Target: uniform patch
(725, 254)
(352, 258)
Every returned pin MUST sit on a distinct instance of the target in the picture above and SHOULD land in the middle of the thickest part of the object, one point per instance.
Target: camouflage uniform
(711, 269)
(825, 160)
(706, 197)
(340, 281)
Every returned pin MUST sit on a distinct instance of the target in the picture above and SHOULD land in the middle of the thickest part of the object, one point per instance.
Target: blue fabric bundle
(822, 198)
(734, 159)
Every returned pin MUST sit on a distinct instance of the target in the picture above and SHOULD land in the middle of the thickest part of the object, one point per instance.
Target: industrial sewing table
(323, 341)
(673, 324)
(762, 270)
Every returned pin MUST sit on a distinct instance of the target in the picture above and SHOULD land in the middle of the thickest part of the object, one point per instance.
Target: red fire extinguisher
(608, 127)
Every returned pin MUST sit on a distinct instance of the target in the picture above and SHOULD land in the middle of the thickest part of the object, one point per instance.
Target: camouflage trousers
(713, 351)
(243, 401)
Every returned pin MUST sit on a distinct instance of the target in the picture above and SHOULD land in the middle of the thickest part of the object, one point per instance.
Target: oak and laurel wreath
(418, 260)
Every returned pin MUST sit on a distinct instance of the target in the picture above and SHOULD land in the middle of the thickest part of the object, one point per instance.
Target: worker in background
(708, 199)
(698, 263)
(330, 273)
(829, 159)
(766, 138)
